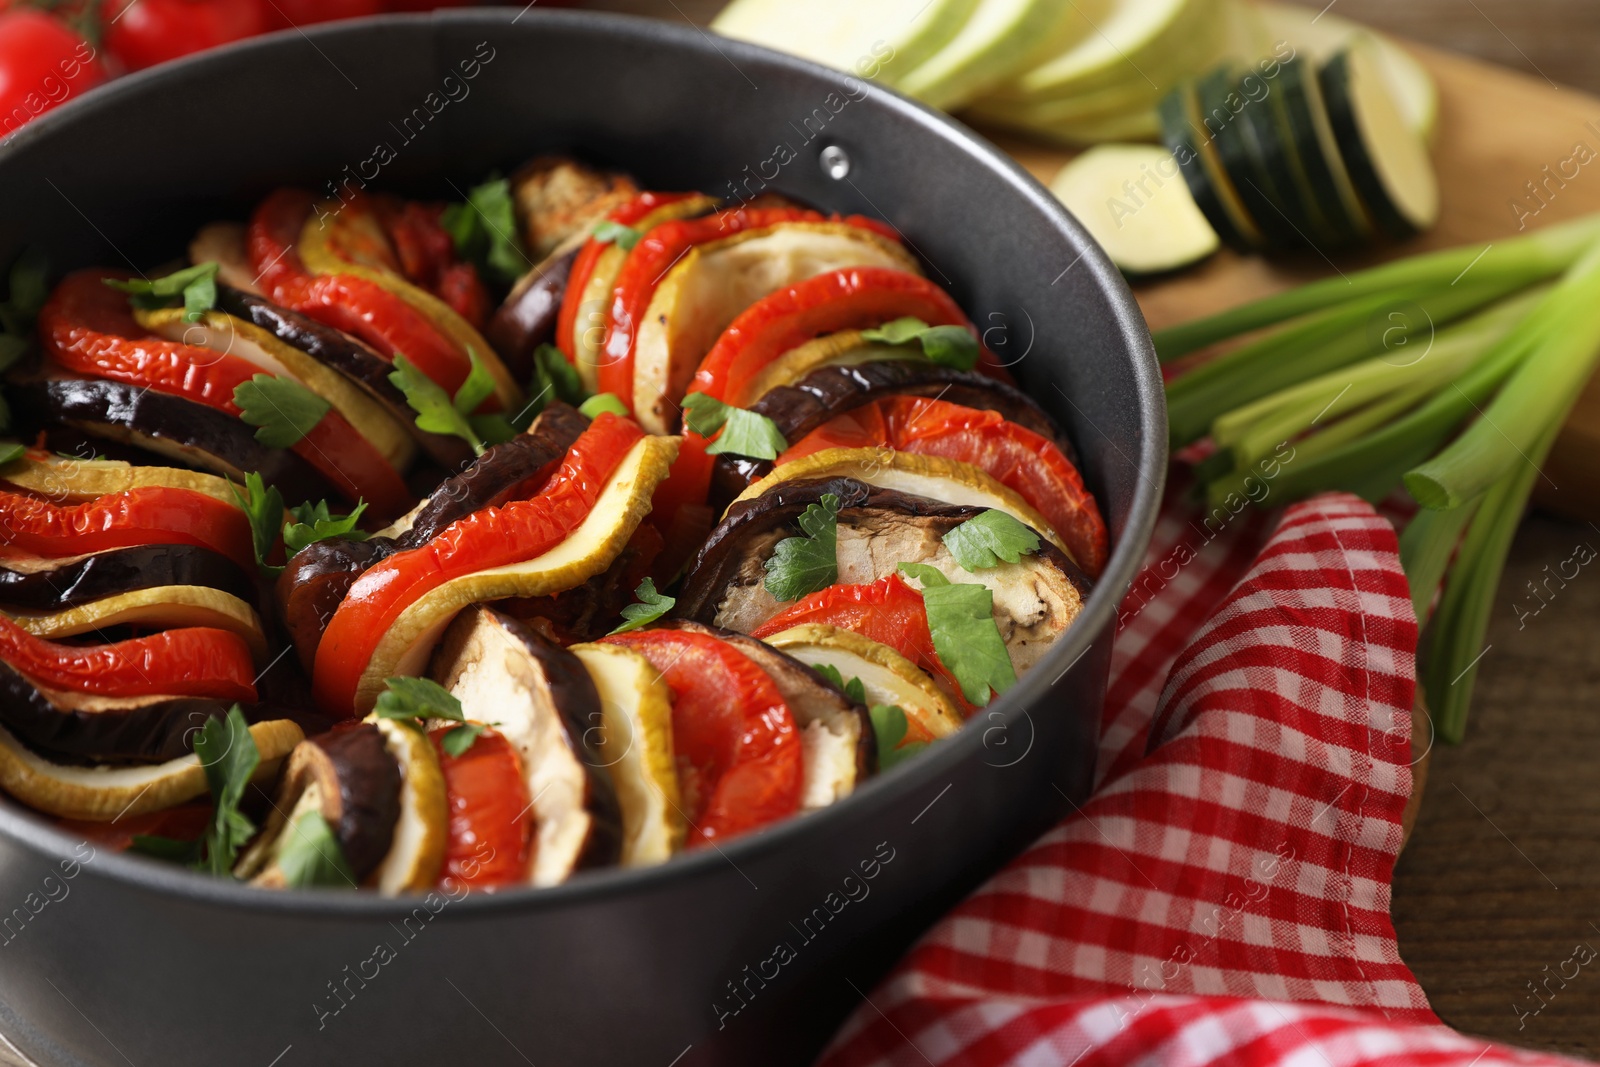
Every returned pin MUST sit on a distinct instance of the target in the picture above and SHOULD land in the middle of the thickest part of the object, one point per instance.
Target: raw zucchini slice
(1221, 115)
(1132, 34)
(881, 40)
(1134, 201)
(1387, 159)
(1191, 145)
(1000, 37)
(1271, 149)
(1299, 94)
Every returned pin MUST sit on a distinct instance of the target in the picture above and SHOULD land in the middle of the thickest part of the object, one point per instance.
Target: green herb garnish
(948, 346)
(800, 566)
(314, 522)
(744, 433)
(890, 727)
(987, 539)
(310, 855)
(229, 755)
(484, 230)
(553, 379)
(602, 402)
(608, 232)
(854, 688)
(437, 412)
(282, 410)
(965, 635)
(651, 606)
(263, 506)
(195, 287)
(420, 699)
(11, 451)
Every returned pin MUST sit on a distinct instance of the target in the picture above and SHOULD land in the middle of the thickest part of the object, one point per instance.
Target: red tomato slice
(357, 306)
(738, 751)
(148, 515)
(888, 611)
(1013, 455)
(491, 821)
(183, 823)
(86, 326)
(633, 213)
(426, 256)
(195, 661)
(656, 253)
(513, 532)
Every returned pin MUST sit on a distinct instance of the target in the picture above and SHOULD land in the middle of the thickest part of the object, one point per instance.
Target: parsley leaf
(314, 523)
(420, 699)
(800, 566)
(484, 230)
(282, 410)
(601, 402)
(476, 388)
(965, 635)
(229, 756)
(196, 286)
(310, 854)
(744, 433)
(553, 379)
(458, 739)
(615, 233)
(984, 540)
(438, 413)
(889, 724)
(854, 689)
(948, 346)
(263, 506)
(651, 606)
(11, 451)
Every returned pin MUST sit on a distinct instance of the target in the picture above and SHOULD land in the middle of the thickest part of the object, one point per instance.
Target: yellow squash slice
(886, 675)
(417, 854)
(161, 607)
(70, 481)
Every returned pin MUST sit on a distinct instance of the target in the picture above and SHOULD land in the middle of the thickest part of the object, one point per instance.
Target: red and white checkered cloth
(1224, 899)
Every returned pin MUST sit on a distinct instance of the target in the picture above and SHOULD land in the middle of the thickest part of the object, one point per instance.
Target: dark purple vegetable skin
(122, 570)
(318, 577)
(527, 318)
(831, 391)
(360, 784)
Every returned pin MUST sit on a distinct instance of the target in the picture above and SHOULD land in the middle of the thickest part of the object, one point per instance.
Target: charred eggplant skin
(317, 578)
(122, 570)
(829, 391)
(343, 353)
(369, 794)
(153, 731)
(106, 408)
(780, 508)
(528, 317)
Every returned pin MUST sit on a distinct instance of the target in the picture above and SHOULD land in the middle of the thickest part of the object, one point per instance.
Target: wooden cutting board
(1497, 130)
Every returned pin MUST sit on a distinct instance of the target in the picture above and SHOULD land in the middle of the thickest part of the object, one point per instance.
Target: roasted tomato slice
(195, 661)
(512, 532)
(147, 515)
(357, 306)
(491, 825)
(1014, 455)
(426, 256)
(86, 326)
(887, 611)
(738, 751)
(183, 823)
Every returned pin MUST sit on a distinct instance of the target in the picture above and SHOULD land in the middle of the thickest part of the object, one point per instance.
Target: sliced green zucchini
(1191, 145)
(1133, 200)
(1387, 159)
(882, 40)
(1270, 143)
(1221, 110)
(1000, 37)
(1129, 36)
(1300, 96)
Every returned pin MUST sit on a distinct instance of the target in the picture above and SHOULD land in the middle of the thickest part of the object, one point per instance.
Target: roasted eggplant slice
(837, 742)
(714, 282)
(103, 794)
(543, 702)
(1035, 599)
(36, 584)
(886, 675)
(422, 828)
(557, 198)
(346, 355)
(167, 426)
(318, 577)
(351, 778)
(157, 608)
(527, 317)
(636, 748)
(826, 391)
(81, 728)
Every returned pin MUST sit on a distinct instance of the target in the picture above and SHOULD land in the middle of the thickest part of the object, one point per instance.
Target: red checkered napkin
(1224, 898)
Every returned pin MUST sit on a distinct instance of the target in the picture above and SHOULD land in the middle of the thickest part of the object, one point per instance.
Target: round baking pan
(744, 954)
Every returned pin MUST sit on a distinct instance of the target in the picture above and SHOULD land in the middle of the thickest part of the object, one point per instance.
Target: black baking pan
(749, 954)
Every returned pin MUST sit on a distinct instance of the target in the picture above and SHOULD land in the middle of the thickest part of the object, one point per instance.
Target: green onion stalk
(1448, 374)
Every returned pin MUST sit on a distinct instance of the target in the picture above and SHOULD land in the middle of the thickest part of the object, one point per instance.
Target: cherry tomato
(195, 661)
(143, 33)
(512, 532)
(737, 748)
(1014, 455)
(42, 64)
(284, 13)
(491, 828)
